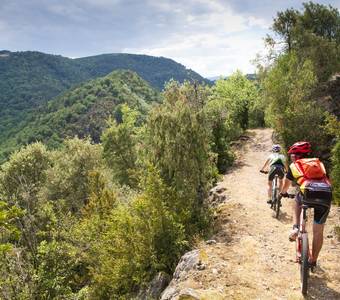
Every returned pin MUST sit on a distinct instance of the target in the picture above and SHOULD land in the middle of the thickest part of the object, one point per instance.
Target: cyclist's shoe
(294, 233)
(312, 266)
(270, 201)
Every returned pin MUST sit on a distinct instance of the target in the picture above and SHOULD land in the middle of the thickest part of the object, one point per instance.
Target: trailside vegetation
(100, 220)
(304, 55)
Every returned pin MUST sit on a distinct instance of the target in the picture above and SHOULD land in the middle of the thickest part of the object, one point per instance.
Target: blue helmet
(276, 148)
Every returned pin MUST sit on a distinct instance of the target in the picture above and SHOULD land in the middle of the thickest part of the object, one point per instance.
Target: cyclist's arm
(286, 166)
(265, 165)
(287, 182)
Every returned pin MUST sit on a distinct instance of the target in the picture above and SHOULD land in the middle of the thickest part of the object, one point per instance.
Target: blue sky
(212, 37)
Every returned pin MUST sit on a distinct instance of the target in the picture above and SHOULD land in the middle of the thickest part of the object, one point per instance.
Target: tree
(139, 240)
(68, 179)
(288, 90)
(284, 25)
(120, 147)
(178, 145)
(313, 34)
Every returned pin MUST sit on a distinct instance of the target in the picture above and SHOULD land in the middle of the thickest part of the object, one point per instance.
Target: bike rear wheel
(304, 267)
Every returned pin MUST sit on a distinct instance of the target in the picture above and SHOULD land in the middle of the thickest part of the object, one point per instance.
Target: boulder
(155, 288)
(188, 262)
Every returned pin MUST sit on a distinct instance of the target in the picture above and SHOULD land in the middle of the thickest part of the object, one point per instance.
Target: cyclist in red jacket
(298, 173)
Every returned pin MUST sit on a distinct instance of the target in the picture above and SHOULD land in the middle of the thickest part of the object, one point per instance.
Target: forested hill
(84, 110)
(155, 70)
(29, 79)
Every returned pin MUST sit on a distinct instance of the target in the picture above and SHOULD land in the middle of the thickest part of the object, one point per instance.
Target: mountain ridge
(29, 79)
(84, 110)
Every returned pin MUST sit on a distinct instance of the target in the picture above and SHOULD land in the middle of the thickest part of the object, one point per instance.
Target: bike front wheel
(304, 267)
(277, 208)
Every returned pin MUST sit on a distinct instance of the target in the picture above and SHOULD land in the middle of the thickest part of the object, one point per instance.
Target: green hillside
(29, 79)
(155, 70)
(83, 110)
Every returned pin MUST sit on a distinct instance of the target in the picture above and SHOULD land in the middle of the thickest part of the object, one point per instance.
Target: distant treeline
(29, 79)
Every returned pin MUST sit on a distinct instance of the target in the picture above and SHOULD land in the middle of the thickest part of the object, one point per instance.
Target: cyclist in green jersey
(277, 164)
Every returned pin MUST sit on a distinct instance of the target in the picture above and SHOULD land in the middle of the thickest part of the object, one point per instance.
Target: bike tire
(272, 206)
(304, 267)
(278, 204)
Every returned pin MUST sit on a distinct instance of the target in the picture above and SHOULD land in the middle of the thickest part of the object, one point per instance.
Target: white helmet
(276, 148)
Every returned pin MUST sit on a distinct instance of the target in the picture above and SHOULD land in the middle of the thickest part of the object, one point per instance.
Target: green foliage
(55, 273)
(22, 176)
(294, 85)
(16, 275)
(28, 80)
(178, 144)
(155, 70)
(74, 231)
(68, 179)
(140, 240)
(9, 231)
(21, 179)
(313, 34)
(288, 89)
(119, 143)
(335, 174)
(333, 128)
(83, 111)
(217, 113)
(233, 106)
(241, 97)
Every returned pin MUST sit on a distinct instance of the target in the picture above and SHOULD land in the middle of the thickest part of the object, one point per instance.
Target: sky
(211, 37)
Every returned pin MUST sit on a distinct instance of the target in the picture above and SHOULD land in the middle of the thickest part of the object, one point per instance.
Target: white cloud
(209, 54)
(212, 41)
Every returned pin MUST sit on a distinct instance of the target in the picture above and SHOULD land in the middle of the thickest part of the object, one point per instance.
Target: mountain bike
(276, 200)
(302, 247)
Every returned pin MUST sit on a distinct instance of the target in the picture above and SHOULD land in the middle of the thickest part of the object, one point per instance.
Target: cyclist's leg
(296, 217)
(317, 241)
(269, 190)
(297, 209)
(280, 184)
(320, 216)
(281, 175)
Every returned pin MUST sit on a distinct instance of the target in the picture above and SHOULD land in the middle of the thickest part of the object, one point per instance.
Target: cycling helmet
(276, 148)
(300, 148)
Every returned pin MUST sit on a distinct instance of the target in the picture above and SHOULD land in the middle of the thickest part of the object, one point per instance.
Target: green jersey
(276, 158)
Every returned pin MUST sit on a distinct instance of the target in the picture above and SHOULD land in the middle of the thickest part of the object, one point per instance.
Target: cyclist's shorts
(276, 169)
(321, 211)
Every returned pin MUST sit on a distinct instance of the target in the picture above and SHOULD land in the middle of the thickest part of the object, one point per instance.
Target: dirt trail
(253, 258)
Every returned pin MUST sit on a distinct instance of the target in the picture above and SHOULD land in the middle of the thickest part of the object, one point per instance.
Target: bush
(68, 179)
(335, 174)
(140, 240)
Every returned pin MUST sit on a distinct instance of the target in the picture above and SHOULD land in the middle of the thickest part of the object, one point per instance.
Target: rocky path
(250, 256)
